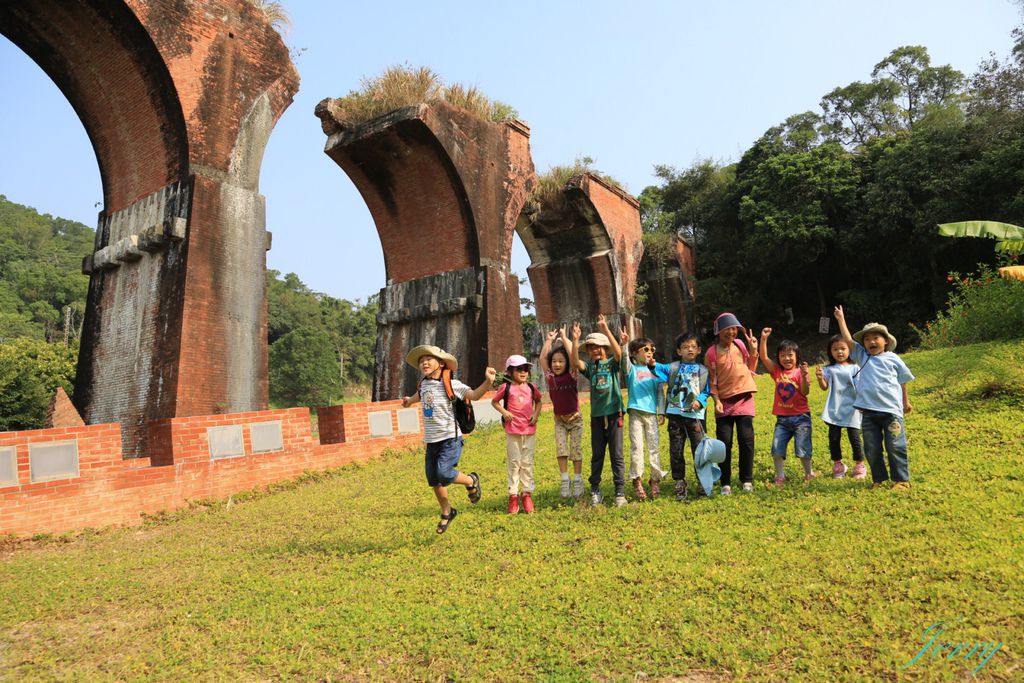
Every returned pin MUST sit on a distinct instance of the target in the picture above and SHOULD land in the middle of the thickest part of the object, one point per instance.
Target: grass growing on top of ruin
(402, 86)
(343, 578)
(547, 193)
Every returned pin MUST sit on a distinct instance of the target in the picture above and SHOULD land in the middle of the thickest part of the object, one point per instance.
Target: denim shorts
(442, 458)
(796, 427)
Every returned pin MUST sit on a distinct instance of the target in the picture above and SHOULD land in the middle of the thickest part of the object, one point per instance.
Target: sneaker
(596, 498)
(638, 490)
(901, 486)
(810, 475)
(655, 488)
(564, 488)
(681, 490)
(859, 470)
(780, 480)
(526, 500)
(726, 490)
(748, 487)
(839, 469)
(620, 500)
(513, 504)
(879, 485)
(577, 488)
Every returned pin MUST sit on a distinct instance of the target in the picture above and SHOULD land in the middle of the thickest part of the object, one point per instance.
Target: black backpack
(465, 418)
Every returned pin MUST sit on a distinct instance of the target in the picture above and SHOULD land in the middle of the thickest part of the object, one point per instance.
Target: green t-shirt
(605, 394)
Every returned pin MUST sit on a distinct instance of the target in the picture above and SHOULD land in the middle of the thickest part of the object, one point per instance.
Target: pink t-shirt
(565, 396)
(788, 399)
(520, 404)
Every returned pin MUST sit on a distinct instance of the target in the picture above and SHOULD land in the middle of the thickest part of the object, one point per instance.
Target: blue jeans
(884, 427)
(442, 457)
(796, 427)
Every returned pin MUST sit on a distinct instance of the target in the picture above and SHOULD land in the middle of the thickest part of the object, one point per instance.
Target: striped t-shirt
(438, 412)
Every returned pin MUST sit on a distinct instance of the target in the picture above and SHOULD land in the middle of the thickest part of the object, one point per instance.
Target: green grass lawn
(342, 577)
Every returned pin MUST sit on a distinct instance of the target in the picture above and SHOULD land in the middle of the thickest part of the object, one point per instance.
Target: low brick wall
(56, 480)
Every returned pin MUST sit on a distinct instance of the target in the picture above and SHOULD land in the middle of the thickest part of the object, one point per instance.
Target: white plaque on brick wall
(380, 423)
(266, 436)
(55, 460)
(225, 442)
(485, 412)
(408, 421)
(8, 466)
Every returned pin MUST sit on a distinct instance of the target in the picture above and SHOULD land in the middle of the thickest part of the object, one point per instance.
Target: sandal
(442, 526)
(474, 490)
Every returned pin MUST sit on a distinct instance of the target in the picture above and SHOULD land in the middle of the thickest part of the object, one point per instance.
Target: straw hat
(413, 357)
(595, 339)
(878, 328)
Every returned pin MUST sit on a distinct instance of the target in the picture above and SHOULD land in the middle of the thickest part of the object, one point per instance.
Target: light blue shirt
(691, 384)
(842, 394)
(878, 382)
(643, 384)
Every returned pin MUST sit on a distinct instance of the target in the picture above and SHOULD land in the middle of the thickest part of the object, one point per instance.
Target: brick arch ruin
(444, 188)
(584, 251)
(178, 100)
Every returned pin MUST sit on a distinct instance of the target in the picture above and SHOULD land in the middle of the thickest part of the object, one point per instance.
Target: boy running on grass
(440, 430)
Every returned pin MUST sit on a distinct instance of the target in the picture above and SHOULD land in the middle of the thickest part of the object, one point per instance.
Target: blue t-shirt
(879, 379)
(643, 384)
(691, 384)
(842, 394)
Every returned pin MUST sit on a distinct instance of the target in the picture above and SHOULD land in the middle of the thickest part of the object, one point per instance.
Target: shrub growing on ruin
(403, 86)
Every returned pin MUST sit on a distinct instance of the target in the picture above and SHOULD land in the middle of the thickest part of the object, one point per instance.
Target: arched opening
(49, 166)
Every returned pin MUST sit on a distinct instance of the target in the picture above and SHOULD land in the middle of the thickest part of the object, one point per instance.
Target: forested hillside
(42, 289)
(841, 205)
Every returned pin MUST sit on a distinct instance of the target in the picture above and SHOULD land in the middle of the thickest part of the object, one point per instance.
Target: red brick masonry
(113, 490)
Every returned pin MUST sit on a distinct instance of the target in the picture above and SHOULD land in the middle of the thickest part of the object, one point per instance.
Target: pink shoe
(526, 500)
(811, 475)
(838, 469)
(859, 470)
(513, 504)
(780, 480)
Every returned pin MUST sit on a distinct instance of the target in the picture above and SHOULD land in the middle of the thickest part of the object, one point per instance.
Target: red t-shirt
(565, 397)
(788, 399)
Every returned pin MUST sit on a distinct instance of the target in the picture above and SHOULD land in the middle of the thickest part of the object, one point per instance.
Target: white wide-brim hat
(413, 357)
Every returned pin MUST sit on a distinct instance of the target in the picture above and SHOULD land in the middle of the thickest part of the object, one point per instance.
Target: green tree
(30, 371)
(291, 305)
(304, 369)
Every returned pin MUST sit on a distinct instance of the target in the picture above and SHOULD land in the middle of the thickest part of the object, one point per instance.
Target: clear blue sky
(629, 84)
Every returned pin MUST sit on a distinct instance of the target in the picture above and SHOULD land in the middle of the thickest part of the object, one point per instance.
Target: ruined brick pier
(584, 251)
(178, 100)
(444, 188)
